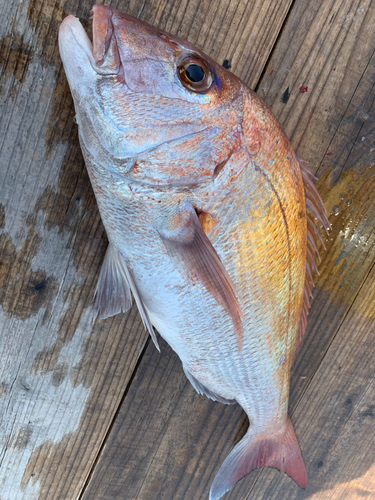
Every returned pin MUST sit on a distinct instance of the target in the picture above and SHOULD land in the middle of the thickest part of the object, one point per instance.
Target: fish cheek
(188, 160)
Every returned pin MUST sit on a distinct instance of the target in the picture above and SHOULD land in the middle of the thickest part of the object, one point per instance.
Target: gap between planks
(104, 442)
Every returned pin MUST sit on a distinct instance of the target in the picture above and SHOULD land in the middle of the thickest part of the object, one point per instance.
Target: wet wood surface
(93, 411)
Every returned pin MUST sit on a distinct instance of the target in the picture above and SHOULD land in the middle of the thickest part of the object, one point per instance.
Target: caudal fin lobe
(279, 450)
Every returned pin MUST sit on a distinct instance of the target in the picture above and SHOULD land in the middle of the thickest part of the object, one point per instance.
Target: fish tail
(279, 450)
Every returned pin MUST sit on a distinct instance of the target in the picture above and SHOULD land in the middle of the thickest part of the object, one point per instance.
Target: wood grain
(61, 377)
(324, 58)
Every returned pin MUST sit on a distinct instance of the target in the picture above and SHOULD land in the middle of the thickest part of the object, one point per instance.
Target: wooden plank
(62, 378)
(319, 82)
(164, 451)
(167, 439)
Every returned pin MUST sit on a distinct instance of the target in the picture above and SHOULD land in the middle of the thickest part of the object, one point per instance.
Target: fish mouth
(102, 52)
(102, 31)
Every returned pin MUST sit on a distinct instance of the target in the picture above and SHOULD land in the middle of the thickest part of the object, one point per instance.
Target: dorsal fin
(315, 205)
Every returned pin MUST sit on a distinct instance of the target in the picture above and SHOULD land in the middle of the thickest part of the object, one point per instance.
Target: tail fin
(279, 450)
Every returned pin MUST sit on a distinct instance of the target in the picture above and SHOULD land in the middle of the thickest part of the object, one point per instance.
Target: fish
(211, 220)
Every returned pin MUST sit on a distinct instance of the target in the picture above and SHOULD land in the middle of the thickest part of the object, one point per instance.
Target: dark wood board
(62, 378)
(173, 444)
(319, 83)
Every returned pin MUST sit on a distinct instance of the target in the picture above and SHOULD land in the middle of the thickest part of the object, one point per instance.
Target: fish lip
(103, 34)
(71, 26)
(105, 49)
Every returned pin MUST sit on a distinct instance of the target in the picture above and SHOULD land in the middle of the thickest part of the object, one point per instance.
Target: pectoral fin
(194, 255)
(113, 290)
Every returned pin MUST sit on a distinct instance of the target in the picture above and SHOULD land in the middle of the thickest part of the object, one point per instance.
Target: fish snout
(81, 56)
(76, 53)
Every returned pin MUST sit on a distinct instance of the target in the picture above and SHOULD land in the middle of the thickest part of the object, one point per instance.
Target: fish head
(148, 104)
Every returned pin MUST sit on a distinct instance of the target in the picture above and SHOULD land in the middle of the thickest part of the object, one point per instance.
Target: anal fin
(201, 389)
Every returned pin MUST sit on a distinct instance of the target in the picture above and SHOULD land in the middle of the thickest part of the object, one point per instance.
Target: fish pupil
(194, 73)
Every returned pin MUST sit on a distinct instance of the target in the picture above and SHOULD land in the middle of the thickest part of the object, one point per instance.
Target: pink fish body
(204, 203)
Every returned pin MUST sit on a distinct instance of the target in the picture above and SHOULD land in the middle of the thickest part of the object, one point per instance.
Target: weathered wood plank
(62, 378)
(166, 440)
(319, 82)
(173, 450)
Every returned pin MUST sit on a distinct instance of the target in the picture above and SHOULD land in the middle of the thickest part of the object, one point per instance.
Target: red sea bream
(204, 203)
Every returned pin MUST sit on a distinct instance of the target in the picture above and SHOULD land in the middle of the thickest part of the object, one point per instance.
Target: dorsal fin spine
(315, 204)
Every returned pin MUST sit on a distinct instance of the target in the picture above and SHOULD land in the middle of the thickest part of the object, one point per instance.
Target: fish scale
(204, 204)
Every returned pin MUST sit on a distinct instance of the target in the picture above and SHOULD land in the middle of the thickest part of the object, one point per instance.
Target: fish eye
(195, 74)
